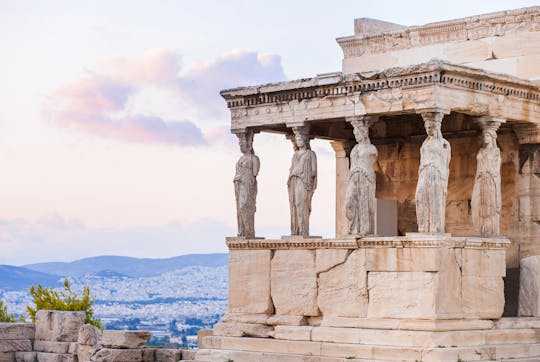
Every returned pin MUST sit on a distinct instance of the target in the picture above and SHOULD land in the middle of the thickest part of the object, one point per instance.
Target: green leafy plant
(67, 300)
(4, 315)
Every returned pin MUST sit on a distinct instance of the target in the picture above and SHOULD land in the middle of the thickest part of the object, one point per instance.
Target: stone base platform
(508, 339)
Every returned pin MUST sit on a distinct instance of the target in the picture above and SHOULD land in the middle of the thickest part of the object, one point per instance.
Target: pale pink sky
(113, 137)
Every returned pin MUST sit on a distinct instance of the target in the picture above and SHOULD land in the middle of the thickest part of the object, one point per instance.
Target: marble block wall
(389, 279)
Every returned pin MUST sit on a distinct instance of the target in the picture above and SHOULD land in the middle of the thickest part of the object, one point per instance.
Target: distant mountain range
(50, 274)
(17, 278)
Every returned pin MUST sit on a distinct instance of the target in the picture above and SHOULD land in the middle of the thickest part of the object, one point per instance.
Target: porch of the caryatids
(432, 186)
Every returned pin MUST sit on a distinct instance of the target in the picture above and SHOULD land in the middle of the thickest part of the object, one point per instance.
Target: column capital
(489, 123)
(366, 120)
(432, 110)
(527, 133)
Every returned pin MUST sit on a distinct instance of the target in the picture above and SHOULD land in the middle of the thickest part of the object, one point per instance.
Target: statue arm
(314, 169)
(256, 165)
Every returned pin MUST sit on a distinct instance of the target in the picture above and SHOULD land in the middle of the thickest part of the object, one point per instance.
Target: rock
(249, 281)
(294, 283)
(59, 326)
(54, 357)
(529, 287)
(123, 355)
(7, 357)
(328, 258)
(15, 345)
(125, 339)
(168, 355)
(89, 335)
(25, 356)
(55, 347)
(242, 330)
(84, 352)
(287, 320)
(203, 333)
(17, 331)
(343, 288)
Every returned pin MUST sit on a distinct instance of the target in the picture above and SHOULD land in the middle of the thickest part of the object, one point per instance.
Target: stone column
(528, 208)
(486, 200)
(433, 173)
(342, 150)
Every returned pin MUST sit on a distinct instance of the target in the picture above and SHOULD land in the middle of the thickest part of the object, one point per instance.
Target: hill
(17, 278)
(127, 266)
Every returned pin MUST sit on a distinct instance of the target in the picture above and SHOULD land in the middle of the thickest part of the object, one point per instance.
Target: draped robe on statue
(301, 186)
(432, 185)
(360, 194)
(486, 196)
(245, 187)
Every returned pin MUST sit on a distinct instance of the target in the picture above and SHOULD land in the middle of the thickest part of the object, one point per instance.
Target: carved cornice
(370, 242)
(470, 28)
(435, 72)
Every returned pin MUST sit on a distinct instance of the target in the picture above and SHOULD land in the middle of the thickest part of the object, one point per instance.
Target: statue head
(489, 137)
(245, 141)
(301, 137)
(360, 131)
(433, 127)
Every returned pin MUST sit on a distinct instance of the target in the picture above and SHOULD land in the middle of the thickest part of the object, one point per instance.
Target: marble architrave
(360, 202)
(486, 195)
(245, 185)
(302, 181)
(432, 186)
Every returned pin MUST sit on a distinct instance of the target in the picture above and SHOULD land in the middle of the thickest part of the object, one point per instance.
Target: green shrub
(67, 300)
(4, 316)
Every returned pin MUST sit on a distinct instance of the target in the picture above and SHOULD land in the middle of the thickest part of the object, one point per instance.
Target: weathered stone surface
(168, 355)
(7, 357)
(15, 345)
(118, 355)
(249, 281)
(402, 259)
(58, 325)
(55, 347)
(470, 51)
(84, 351)
(244, 318)
(125, 339)
(529, 287)
(188, 354)
(27, 356)
(328, 258)
(297, 333)
(294, 282)
(416, 291)
(203, 333)
(286, 320)
(54, 357)
(89, 335)
(343, 289)
(17, 330)
(242, 330)
(483, 297)
(484, 263)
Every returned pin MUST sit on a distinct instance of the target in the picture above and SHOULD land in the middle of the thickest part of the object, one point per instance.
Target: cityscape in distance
(173, 298)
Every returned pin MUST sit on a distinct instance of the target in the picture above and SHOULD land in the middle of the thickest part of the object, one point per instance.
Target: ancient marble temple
(436, 253)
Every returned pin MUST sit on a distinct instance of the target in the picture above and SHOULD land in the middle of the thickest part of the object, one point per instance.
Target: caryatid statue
(360, 200)
(433, 174)
(245, 185)
(486, 196)
(302, 181)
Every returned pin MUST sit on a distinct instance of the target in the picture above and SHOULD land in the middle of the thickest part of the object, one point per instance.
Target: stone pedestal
(425, 297)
